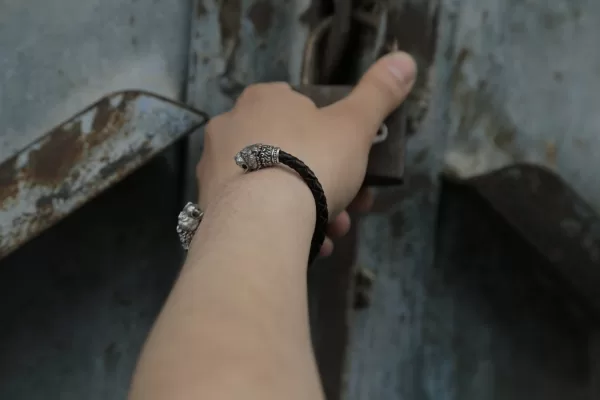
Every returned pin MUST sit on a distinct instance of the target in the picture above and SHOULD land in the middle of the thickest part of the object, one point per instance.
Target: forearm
(236, 323)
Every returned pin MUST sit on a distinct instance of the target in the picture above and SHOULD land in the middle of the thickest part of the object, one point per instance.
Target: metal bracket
(83, 156)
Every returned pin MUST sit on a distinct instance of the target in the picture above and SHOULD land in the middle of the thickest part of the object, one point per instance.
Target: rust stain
(52, 162)
(9, 185)
(46, 203)
(551, 153)
(58, 154)
(108, 119)
(117, 167)
(200, 9)
(230, 21)
(102, 116)
(261, 15)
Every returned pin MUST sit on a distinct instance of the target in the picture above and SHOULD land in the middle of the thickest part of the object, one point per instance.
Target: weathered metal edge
(543, 208)
(83, 156)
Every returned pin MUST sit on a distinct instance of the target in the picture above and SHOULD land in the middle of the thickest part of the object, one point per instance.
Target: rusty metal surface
(83, 156)
(386, 160)
(552, 217)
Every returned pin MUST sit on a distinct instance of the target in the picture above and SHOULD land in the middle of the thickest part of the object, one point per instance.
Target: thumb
(379, 92)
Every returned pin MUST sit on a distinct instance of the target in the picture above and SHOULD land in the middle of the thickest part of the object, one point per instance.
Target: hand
(333, 141)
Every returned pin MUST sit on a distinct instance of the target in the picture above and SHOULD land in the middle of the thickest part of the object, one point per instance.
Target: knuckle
(260, 90)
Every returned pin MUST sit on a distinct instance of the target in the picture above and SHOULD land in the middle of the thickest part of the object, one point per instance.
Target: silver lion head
(190, 217)
(247, 158)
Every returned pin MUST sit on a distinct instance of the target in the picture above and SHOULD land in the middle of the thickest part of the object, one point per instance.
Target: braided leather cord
(320, 201)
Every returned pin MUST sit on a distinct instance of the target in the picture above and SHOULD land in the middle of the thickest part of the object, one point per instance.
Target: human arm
(236, 323)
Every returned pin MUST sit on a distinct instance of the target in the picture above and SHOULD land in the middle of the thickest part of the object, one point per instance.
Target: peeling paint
(9, 188)
(58, 154)
(83, 156)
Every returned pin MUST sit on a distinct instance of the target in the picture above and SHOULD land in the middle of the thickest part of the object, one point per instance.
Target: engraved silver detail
(187, 223)
(257, 156)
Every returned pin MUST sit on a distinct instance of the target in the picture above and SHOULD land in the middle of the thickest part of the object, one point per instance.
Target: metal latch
(386, 159)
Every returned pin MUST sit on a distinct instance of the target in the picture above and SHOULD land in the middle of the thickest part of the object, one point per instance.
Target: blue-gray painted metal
(525, 89)
(236, 43)
(456, 311)
(499, 66)
(79, 300)
(84, 156)
(57, 57)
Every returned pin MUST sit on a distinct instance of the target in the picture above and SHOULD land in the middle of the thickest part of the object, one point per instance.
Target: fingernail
(403, 67)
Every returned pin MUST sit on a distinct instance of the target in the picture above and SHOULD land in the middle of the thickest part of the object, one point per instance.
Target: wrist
(263, 209)
(270, 193)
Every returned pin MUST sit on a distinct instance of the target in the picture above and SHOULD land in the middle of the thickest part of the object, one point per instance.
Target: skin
(235, 325)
